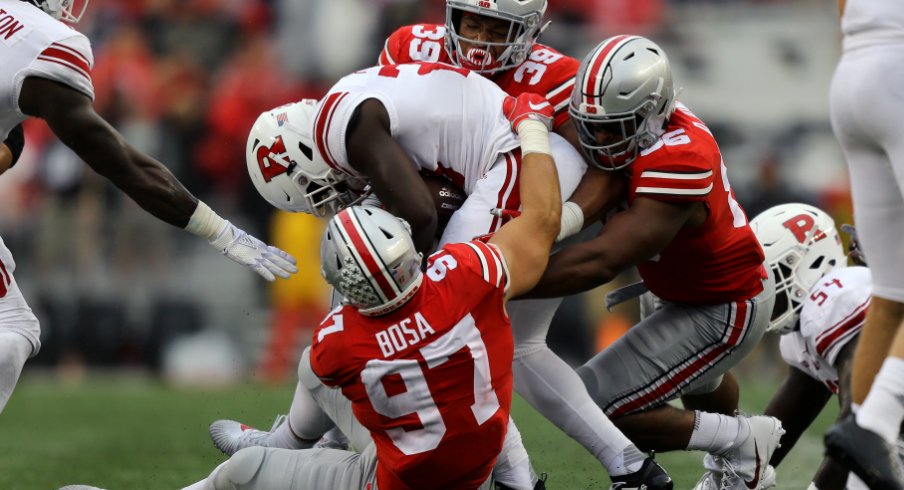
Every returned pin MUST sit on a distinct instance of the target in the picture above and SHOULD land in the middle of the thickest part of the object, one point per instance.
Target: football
(447, 197)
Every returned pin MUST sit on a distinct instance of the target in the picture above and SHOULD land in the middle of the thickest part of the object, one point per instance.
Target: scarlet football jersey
(34, 44)
(546, 71)
(832, 315)
(432, 381)
(718, 262)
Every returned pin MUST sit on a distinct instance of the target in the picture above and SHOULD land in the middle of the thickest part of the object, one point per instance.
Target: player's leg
(553, 388)
(866, 119)
(19, 328)
(677, 351)
(259, 468)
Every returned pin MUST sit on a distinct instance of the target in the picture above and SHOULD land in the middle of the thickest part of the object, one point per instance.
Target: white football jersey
(872, 22)
(831, 317)
(446, 118)
(33, 43)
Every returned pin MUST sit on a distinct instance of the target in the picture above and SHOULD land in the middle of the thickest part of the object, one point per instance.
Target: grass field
(135, 433)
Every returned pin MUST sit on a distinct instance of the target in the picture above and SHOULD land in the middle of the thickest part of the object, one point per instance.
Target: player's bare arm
(796, 403)
(71, 116)
(6, 157)
(630, 237)
(831, 475)
(525, 241)
(393, 175)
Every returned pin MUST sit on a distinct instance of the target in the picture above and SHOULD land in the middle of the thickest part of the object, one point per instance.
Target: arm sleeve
(16, 143)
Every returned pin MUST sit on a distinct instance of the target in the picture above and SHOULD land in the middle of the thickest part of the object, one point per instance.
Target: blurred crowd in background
(185, 79)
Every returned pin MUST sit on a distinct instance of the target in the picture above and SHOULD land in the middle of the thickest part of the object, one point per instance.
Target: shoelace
(729, 475)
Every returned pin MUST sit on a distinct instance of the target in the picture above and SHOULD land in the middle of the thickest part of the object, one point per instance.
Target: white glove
(812, 486)
(266, 260)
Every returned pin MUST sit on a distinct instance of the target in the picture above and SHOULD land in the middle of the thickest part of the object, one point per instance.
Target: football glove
(528, 106)
(266, 260)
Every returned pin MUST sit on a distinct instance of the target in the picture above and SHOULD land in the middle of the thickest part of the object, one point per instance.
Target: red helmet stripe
(324, 120)
(593, 78)
(366, 256)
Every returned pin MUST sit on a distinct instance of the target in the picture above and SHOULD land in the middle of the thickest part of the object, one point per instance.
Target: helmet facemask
(70, 11)
(479, 56)
(613, 141)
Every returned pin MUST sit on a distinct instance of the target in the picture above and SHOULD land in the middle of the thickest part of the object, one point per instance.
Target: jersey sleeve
(562, 82)
(481, 261)
(328, 351)
(790, 355)
(68, 61)
(331, 126)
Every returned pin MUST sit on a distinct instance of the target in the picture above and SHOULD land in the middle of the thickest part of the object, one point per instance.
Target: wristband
(205, 223)
(572, 220)
(534, 137)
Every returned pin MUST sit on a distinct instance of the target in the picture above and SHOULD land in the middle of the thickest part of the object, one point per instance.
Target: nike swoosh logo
(752, 484)
(538, 107)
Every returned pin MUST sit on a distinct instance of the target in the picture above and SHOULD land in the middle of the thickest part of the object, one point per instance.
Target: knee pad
(240, 469)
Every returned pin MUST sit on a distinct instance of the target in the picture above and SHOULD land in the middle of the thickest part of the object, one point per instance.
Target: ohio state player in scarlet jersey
(695, 251)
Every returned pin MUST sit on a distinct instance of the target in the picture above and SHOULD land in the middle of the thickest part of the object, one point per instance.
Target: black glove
(16, 143)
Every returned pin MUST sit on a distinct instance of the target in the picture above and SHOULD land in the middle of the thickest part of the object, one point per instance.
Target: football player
(424, 357)
(379, 126)
(819, 311)
(497, 39)
(690, 240)
(865, 106)
(47, 74)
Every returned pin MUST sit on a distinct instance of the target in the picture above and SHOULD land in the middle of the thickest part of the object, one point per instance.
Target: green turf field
(125, 433)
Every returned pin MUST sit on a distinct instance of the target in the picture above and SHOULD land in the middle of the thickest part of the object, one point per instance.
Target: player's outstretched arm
(796, 403)
(526, 241)
(71, 116)
(831, 475)
(391, 172)
(629, 238)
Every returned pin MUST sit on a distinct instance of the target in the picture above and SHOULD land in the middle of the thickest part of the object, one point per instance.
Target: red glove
(528, 106)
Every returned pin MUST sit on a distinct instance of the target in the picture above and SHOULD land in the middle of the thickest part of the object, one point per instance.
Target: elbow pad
(16, 143)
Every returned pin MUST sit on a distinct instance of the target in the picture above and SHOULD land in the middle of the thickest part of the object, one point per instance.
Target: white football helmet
(525, 18)
(287, 169)
(801, 245)
(66, 10)
(368, 255)
(622, 98)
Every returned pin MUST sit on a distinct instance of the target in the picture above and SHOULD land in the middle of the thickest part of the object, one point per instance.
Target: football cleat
(872, 458)
(650, 476)
(80, 487)
(230, 436)
(746, 466)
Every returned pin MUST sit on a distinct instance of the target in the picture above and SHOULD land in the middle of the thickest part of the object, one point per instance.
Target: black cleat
(650, 476)
(863, 451)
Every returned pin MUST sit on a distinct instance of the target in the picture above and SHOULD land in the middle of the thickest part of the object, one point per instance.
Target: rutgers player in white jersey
(866, 110)
(424, 357)
(819, 311)
(47, 73)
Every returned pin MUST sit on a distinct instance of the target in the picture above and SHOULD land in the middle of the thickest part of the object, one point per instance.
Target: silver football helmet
(288, 170)
(525, 20)
(66, 10)
(368, 255)
(622, 98)
(801, 245)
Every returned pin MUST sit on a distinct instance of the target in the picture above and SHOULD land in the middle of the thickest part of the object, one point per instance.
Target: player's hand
(528, 106)
(266, 260)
